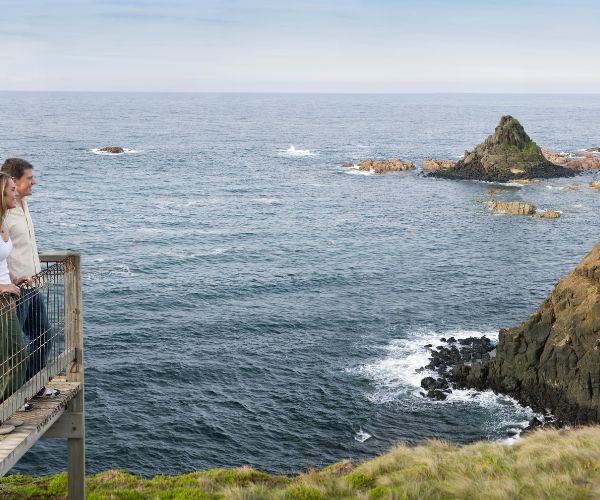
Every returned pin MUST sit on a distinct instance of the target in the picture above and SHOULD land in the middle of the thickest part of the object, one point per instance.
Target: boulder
(506, 155)
(511, 207)
(554, 157)
(551, 361)
(113, 149)
(431, 165)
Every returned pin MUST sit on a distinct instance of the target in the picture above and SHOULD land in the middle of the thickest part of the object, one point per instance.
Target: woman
(13, 350)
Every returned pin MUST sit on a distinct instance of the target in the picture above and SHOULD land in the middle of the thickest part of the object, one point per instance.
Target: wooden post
(75, 409)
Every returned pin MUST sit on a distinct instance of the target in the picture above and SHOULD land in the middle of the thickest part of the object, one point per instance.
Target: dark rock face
(552, 360)
(113, 149)
(506, 155)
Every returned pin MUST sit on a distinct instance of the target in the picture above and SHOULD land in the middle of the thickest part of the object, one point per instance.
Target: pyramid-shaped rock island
(508, 154)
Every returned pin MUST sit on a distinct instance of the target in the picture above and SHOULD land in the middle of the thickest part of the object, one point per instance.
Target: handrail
(41, 337)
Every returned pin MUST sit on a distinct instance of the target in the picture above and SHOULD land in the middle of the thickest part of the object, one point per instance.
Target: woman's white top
(5, 249)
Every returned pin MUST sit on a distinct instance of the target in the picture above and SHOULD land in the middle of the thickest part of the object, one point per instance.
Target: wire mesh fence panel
(35, 344)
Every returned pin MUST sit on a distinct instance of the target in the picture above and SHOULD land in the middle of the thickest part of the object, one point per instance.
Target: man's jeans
(33, 319)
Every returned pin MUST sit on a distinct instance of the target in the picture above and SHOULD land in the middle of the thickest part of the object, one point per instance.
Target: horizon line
(54, 91)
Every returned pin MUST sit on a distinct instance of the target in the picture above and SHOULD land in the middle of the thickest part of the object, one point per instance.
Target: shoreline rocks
(504, 156)
(431, 165)
(588, 162)
(549, 362)
(554, 157)
(382, 166)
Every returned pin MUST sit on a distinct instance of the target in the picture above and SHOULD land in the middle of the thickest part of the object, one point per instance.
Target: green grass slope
(544, 464)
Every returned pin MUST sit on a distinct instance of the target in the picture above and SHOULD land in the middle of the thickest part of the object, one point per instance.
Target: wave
(395, 376)
(292, 151)
(354, 170)
(267, 201)
(118, 270)
(361, 436)
(97, 151)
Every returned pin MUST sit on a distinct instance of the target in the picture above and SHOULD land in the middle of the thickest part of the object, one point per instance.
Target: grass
(530, 151)
(545, 464)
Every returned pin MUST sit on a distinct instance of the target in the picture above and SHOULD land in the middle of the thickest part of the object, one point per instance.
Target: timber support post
(75, 412)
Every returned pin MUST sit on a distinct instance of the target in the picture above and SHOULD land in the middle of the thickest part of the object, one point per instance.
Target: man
(24, 261)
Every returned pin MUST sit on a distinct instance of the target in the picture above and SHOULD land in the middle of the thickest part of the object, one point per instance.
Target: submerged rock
(595, 185)
(506, 155)
(113, 149)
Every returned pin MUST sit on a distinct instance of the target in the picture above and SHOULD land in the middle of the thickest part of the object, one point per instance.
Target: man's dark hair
(15, 167)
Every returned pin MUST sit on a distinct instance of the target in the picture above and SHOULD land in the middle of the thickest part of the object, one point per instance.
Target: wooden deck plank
(45, 412)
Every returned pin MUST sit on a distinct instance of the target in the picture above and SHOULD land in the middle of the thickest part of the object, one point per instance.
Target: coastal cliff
(506, 155)
(551, 361)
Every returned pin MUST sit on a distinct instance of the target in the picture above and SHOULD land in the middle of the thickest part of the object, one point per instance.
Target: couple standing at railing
(22, 310)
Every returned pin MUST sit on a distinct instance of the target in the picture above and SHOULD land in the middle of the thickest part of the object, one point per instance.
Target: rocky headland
(550, 362)
(506, 155)
(382, 166)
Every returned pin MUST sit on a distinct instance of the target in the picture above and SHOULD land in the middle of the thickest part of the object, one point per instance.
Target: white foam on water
(292, 151)
(395, 376)
(542, 211)
(189, 256)
(97, 151)
(396, 373)
(355, 170)
(267, 201)
(361, 436)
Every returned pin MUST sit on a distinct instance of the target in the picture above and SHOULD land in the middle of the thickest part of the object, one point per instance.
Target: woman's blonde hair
(4, 182)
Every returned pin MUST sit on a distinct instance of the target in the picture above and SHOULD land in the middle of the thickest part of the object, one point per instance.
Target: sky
(544, 46)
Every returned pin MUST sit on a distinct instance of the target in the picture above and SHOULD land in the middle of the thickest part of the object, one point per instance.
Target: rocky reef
(520, 208)
(550, 362)
(382, 166)
(506, 155)
(432, 165)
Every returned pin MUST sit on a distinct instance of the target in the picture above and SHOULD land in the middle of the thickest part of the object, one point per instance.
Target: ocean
(248, 301)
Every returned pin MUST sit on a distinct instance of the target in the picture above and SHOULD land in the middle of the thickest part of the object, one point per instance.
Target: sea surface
(248, 301)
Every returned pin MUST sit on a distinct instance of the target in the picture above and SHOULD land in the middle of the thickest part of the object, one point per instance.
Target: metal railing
(39, 331)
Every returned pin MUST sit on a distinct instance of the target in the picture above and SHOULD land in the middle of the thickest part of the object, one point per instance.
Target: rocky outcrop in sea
(506, 155)
(550, 362)
(431, 165)
(113, 149)
(382, 166)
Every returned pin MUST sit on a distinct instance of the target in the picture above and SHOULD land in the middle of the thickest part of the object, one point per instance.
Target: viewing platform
(52, 359)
